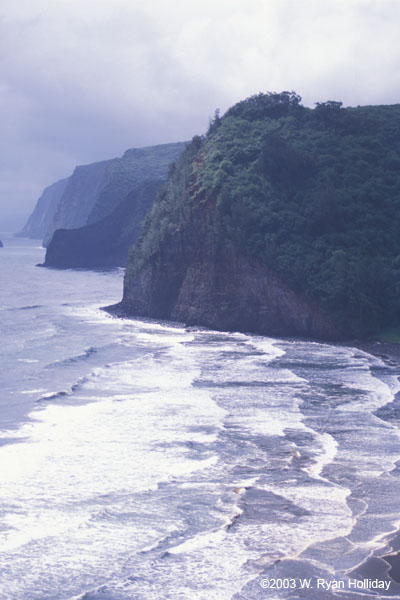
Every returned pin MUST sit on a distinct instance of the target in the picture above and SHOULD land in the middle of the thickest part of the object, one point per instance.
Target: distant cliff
(128, 191)
(105, 243)
(42, 217)
(136, 166)
(79, 197)
(282, 220)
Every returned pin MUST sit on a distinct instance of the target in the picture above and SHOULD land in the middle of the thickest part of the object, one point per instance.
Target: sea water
(146, 460)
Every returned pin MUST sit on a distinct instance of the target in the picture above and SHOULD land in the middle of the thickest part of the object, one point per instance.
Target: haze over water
(147, 460)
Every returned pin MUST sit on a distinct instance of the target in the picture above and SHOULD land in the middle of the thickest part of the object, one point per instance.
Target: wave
(73, 359)
(63, 393)
(54, 395)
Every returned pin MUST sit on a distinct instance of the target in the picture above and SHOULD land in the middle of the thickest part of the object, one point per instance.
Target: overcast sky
(83, 80)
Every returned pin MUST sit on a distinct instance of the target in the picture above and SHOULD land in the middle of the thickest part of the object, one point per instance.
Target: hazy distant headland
(91, 219)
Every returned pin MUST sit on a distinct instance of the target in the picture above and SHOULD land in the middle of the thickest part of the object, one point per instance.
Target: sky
(83, 80)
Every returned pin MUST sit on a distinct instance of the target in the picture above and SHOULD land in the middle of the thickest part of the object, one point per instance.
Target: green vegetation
(136, 166)
(313, 194)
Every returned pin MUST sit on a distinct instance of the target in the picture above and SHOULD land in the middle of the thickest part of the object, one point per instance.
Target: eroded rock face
(191, 279)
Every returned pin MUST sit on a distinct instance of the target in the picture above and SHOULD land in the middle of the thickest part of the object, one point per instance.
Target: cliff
(105, 241)
(192, 279)
(79, 196)
(282, 220)
(42, 217)
(136, 166)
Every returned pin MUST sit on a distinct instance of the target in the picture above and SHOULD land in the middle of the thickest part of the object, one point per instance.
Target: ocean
(147, 460)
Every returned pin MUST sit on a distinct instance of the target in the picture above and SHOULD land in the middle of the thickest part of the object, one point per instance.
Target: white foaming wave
(28, 360)
(69, 455)
(374, 392)
(324, 456)
(137, 331)
(77, 452)
(92, 313)
(274, 407)
(148, 373)
(222, 550)
(272, 419)
(166, 338)
(228, 556)
(327, 514)
(267, 346)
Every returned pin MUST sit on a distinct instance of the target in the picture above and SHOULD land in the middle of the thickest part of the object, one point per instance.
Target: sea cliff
(80, 194)
(40, 221)
(282, 220)
(127, 192)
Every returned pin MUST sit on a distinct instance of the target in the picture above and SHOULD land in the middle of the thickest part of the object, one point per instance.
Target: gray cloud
(82, 80)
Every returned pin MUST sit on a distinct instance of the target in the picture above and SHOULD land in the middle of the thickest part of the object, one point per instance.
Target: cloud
(82, 80)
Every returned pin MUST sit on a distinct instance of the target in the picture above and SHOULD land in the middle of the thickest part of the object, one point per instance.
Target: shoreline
(389, 352)
(384, 563)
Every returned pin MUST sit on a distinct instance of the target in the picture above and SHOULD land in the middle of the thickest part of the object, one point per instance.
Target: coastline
(389, 352)
(384, 563)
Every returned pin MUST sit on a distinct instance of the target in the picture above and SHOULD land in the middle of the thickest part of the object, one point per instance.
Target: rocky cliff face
(42, 217)
(80, 194)
(193, 279)
(127, 192)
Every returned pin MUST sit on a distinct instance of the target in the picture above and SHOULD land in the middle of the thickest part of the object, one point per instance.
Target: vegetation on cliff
(135, 167)
(312, 194)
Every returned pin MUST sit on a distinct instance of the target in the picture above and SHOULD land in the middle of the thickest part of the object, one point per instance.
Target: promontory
(281, 220)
